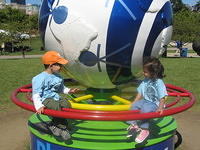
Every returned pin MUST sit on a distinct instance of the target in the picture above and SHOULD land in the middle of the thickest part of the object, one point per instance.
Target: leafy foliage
(177, 5)
(186, 26)
(16, 21)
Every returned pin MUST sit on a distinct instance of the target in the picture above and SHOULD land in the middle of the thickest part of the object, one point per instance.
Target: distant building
(196, 7)
(20, 2)
(28, 9)
(2, 3)
(189, 7)
(32, 9)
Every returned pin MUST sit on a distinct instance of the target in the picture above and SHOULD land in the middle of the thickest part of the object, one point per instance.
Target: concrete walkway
(19, 56)
(39, 56)
(189, 55)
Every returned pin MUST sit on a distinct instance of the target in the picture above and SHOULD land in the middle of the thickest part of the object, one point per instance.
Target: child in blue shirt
(46, 87)
(150, 98)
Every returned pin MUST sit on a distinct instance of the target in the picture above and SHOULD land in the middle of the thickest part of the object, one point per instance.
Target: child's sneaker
(131, 129)
(65, 135)
(142, 136)
(55, 130)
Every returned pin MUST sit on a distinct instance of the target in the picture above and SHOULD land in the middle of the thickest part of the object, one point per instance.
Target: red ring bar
(110, 115)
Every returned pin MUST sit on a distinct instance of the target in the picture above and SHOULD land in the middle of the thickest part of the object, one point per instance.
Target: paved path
(178, 55)
(39, 56)
(19, 56)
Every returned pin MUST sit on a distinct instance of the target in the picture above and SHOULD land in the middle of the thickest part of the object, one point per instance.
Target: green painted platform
(104, 135)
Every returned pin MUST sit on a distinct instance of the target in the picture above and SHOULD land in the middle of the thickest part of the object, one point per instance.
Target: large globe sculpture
(105, 41)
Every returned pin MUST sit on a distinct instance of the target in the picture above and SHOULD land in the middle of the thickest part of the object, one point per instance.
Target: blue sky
(29, 1)
(190, 2)
(33, 1)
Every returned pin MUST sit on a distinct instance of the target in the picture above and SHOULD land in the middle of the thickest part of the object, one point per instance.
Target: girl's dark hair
(154, 67)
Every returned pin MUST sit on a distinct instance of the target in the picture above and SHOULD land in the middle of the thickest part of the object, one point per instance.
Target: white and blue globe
(105, 41)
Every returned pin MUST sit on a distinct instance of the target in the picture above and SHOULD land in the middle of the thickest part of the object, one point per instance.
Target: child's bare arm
(161, 105)
(40, 110)
(73, 90)
(39, 107)
(67, 90)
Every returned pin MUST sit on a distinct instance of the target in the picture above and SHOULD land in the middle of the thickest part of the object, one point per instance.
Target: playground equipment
(105, 43)
(105, 129)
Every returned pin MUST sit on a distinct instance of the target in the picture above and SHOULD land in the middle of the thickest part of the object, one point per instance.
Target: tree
(16, 22)
(186, 26)
(177, 5)
(33, 24)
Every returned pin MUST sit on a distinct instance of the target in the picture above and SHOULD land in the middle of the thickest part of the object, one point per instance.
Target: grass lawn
(15, 73)
(183, 72)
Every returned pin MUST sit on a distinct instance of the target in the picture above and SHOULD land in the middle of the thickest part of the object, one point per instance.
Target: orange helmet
(52, 57)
